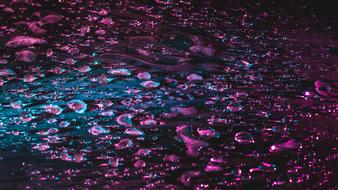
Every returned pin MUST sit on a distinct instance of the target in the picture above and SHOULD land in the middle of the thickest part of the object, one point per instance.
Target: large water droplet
(19, 41)
(53, 109)
(77, 105)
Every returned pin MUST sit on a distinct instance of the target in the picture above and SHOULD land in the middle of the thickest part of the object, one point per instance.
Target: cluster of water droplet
(163, 95)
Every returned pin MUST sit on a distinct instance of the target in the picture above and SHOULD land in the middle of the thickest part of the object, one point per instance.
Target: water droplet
(28, 78)
(193, 145)
(77, 105)
(52, 18)
(244, 138)
(98, 130)
(148, 122)
(289, 145)
(140, 164)
(122, 72)
(53, 109)
(134, 132)
(125, 120)
(123, 144)
(194, 77)
(144, 76)
(186, 178)
(19, 41)
(150, 84)
(25, 56)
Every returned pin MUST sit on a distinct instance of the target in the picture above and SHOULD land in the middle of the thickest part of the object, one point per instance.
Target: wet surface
(166, 95)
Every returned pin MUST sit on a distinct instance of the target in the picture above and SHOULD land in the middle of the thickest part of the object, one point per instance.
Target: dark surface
(266, 98)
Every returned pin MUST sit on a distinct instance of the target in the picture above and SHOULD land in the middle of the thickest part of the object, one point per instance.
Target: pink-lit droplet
(77, 105)
(53, 109)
